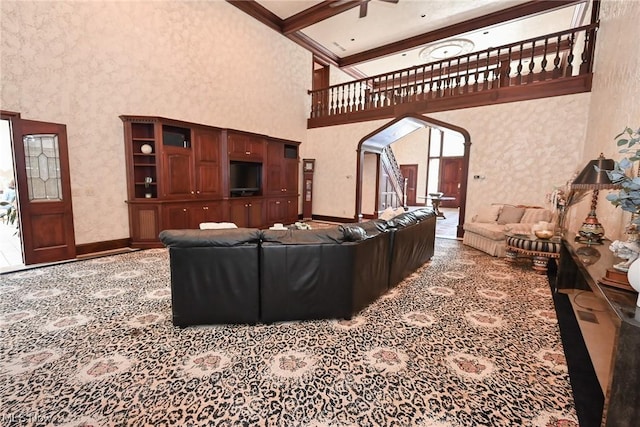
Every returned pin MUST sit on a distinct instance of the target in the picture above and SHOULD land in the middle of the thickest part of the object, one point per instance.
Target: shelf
(144, 139)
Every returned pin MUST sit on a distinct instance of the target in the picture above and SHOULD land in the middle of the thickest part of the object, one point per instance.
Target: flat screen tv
(245, 178)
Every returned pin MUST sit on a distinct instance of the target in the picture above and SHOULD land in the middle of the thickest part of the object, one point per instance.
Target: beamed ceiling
(370, 37)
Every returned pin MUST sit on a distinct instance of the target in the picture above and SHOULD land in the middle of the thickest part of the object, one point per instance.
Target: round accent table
(540, 250)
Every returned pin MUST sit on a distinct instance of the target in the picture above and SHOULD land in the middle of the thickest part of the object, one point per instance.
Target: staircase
(393, 188)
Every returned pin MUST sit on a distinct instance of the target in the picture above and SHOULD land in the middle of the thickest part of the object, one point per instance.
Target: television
(245, 178)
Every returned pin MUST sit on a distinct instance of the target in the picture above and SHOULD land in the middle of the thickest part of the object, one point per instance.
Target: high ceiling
(395, 35)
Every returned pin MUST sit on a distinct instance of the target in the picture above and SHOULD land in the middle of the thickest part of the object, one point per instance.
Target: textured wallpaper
(523, 149)
(84, 63)
(615, 98)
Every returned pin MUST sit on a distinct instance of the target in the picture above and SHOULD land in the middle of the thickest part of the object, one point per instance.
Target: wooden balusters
(491, 69)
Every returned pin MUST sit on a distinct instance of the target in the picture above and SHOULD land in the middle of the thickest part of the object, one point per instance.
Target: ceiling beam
(259, 12)
(317, 13)
(530, 8)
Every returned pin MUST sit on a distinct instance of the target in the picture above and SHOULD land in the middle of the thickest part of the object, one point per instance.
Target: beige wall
(84, 63)
(523, 149)
(412, 150)
(615, 98)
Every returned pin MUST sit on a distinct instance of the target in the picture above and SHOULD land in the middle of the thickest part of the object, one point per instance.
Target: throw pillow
(387, 214)
(217, 225)
(532, 215)
(488, 213)
(510, 214)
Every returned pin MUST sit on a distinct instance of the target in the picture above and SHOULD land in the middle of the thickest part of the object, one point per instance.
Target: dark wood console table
(581, 268)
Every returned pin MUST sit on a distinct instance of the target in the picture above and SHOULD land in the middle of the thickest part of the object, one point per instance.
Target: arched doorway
(377, 141)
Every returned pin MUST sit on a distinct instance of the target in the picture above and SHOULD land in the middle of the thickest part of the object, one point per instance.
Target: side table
(540, 250)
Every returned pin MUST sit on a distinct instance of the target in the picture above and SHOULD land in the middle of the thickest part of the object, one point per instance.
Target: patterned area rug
(468, 340)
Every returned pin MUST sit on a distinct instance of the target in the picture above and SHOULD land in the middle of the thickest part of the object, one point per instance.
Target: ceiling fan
(363, 5)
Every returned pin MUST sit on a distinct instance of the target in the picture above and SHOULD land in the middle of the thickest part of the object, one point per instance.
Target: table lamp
(594, 177)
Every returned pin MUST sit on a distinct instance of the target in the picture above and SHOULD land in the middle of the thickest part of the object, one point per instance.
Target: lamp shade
(595, 179)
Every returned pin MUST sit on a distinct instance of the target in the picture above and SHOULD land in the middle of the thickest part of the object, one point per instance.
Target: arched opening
(376, 144)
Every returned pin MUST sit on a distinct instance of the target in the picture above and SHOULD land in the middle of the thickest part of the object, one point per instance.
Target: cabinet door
(282, 209)
(206, 148)
(291, 210)
(290, 177)
(256, 213)
(275, 170)
(177, 181)
(176, 217)
(238, 212)
(276, 210)
(210, 212)
(245, 147)
(144, 224)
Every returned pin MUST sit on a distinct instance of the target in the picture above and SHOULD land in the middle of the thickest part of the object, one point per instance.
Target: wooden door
(44, 191)
(410, 172)
(207, 163)
(450, 179)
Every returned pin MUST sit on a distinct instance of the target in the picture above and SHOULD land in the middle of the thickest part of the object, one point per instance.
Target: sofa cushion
(492, 231)
(423, 213)
(304, 237)
(518, 228)
(488, 213)
(200, 238)
(533, 215)
(510, 214)
(352, 232)
(403, 220)
(371, 228)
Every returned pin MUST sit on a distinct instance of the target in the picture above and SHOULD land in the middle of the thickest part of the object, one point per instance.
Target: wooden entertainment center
(180, 174)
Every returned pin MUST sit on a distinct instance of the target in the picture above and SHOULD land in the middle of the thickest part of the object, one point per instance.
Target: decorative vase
(633, 275)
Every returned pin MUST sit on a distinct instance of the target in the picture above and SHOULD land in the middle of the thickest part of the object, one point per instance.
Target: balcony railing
(551, 58)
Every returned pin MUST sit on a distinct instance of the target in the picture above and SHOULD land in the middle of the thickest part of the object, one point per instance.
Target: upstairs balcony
(551, 65)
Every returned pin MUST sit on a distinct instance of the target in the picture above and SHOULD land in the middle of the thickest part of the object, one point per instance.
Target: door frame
(396, 130)
(31, 252)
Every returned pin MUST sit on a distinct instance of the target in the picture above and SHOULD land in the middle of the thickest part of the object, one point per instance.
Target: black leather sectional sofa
(249, 275)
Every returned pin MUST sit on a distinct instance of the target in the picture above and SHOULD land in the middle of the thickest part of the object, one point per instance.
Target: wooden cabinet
(144, 224)
(282, 209)
(242, 146)
(190, 215)
(246, 212)
(179, 173)
(191, 169)
(141, 160)
(282, 168)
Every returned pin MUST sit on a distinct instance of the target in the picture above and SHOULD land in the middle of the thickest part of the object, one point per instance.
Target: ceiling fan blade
(363, 9)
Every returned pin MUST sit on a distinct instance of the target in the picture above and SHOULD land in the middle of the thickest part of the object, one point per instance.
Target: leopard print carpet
(468, 340)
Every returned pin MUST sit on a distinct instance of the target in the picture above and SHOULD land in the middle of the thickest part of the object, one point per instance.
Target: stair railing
(396, 180)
